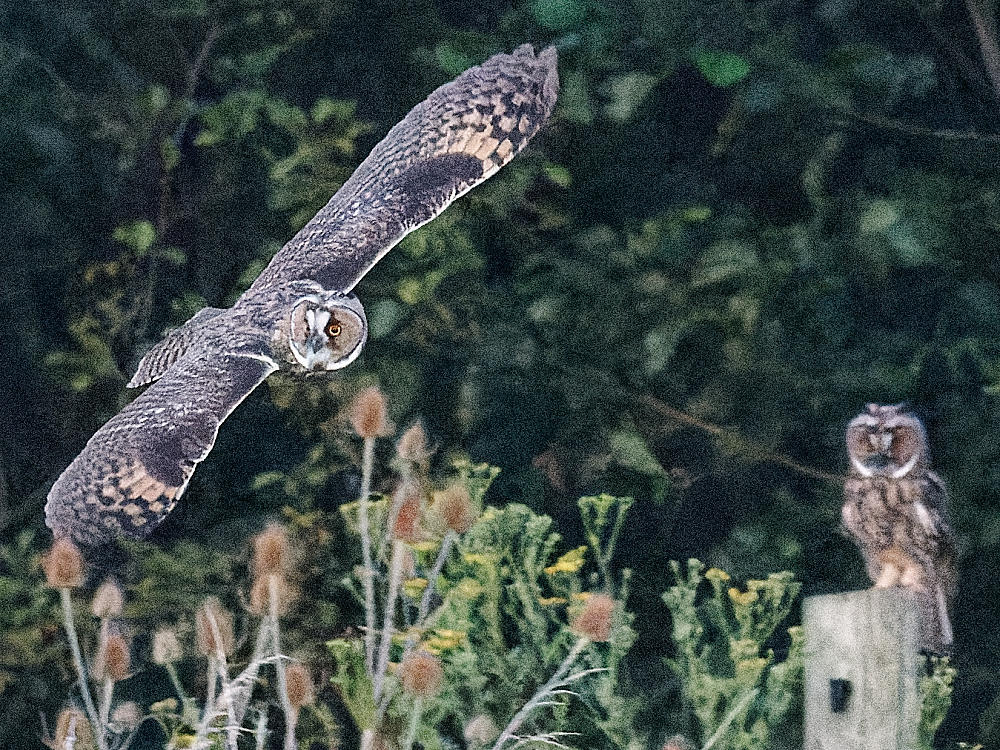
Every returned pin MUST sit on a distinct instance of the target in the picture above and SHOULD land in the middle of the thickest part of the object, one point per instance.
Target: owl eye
(332, 329)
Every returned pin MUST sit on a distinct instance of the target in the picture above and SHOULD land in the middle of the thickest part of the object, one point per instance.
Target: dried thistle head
(412, 445)
(73, 730)
(63, 565)
(260, 595)
(127, 715)
(454, 506)
(212, 611)
(114, 658)
(594, 620)
(421, 674)
(166, 646)
(481, 730)
(270, 550)
(678, 742)
(406, 527)
(370, 414)
(107, 601)
(298, 684)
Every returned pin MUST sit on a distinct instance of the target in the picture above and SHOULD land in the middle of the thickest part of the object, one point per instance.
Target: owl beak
(316, 346)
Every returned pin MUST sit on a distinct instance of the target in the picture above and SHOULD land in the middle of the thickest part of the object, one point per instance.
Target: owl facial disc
(327, 331)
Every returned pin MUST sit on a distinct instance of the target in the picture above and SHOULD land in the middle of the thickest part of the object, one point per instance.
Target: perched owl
(299, 315)
(895, 507)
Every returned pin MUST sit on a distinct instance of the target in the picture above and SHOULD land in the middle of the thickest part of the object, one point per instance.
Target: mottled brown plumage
(299, 315)
(895, 508)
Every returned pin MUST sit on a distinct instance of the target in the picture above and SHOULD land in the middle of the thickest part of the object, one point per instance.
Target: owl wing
(134, 469)
(463, 133)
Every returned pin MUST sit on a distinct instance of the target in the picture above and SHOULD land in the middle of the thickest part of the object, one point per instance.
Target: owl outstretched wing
(134, 469)
(462, 134)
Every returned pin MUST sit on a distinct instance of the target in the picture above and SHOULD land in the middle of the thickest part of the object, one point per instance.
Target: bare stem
(260, 733)
(425, 601)
(730, 718)
(411, 730)
(367, 464)
(279, 663)
(209, 713)
(217, 667)
(189, 712)
(105, 708)
(74, 646)
(983, 15)
(395, 572)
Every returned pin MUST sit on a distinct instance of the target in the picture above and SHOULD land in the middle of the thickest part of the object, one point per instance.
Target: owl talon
(889, 577)
(912, 579)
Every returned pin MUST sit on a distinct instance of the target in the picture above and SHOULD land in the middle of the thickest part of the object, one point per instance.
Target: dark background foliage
(745, 221)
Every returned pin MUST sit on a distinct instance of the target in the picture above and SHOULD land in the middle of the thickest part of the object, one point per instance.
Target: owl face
(327, 330)
(886, 441)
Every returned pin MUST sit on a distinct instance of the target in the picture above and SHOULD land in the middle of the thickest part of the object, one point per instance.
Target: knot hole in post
(840, 694)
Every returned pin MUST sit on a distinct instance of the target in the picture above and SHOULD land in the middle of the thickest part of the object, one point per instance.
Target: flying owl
(895, 507)
(299, 315)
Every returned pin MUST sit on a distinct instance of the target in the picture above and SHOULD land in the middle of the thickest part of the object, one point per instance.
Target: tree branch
(742, 444)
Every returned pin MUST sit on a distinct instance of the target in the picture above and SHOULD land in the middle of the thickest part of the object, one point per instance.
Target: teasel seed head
(114, 657)
(127, 715)
(260, 595)
(270, 550)
(412, 445)
(205, 634)
(370, 414)
(455, 508)
(406, 527)
(481, 730)
(421, 674)
(678, 742)
(594, 620)
(107, 601)
(299, 685)
(63, 565)
(166, 647)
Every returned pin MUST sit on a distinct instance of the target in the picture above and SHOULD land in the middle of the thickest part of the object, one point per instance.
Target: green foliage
(740, 696)
(936, 688)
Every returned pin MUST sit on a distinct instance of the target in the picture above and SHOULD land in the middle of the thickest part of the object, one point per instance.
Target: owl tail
(935, 625)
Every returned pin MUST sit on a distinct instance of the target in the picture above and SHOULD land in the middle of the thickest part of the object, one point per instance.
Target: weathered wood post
(861, 661)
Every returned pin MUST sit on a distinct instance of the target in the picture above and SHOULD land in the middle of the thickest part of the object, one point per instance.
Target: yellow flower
(715, 574)
(547, 601)
(414, 588)
(743, 598)
(469, 588)
(571, 562)
(445, 640)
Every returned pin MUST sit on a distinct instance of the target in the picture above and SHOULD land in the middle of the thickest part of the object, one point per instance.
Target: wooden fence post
(861, 660)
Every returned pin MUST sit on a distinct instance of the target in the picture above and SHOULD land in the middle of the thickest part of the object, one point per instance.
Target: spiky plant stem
(411, 731)
(279, 663)
(74, 647)
(385, 643)
(425, 601)
(367, 466)
(189, 711)
(558, 679)
(217, 667)
(109, 690)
